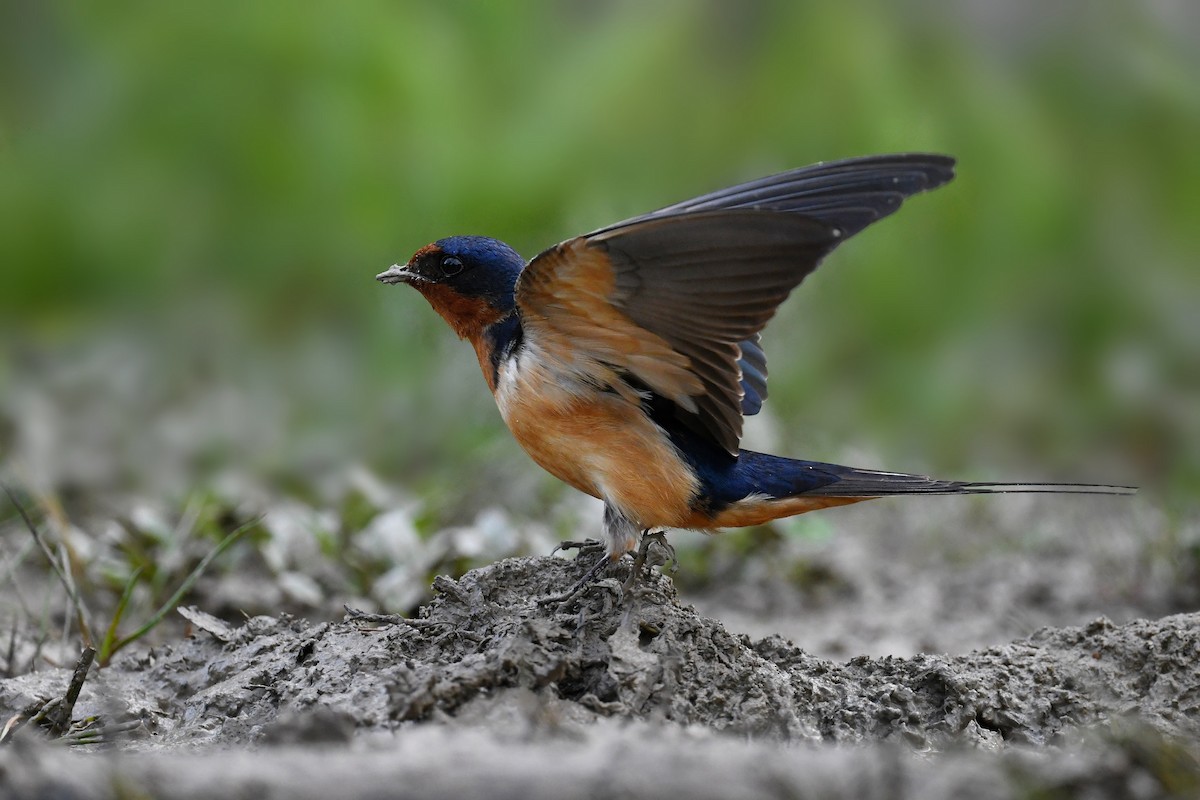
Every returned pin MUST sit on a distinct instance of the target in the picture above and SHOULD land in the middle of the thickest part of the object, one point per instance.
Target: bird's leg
(619, 530)
(621, 534)
(639, 561)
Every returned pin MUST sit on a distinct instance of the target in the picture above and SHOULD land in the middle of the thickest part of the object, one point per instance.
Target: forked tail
(759, 487)
(851, 482)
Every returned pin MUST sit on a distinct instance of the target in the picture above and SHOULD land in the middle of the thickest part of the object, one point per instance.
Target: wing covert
(672, 302)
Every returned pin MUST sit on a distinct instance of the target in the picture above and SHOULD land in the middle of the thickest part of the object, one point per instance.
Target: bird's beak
(397, 273)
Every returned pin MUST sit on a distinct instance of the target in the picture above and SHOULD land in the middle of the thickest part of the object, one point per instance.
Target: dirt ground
(491, 693)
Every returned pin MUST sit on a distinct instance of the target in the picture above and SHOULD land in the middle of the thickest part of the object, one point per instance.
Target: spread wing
(676, 298)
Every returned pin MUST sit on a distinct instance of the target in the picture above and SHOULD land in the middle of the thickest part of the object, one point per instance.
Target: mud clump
(487, 653)
(491, 692)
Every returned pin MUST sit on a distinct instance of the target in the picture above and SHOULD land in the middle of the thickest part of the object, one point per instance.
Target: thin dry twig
(10, 655)
(59, 719)
(10, 571)
(92, 730)
(85, 629)
(10, 725)
(365, 619)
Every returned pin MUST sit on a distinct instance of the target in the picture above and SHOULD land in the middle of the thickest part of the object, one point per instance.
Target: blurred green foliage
(220, 183)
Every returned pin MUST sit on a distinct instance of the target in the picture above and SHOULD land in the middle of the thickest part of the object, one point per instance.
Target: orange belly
(599, 442)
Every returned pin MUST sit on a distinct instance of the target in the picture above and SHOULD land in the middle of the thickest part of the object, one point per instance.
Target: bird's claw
(587, 545)
(639, 560)
(580, 584)
(640, 557)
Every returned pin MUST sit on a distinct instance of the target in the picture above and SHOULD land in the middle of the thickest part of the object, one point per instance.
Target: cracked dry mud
(486, 679)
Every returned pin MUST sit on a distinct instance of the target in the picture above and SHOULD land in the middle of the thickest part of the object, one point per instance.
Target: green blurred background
(194, 199)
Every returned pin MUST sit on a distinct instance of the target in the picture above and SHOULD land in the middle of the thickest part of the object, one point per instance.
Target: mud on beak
(397, 273)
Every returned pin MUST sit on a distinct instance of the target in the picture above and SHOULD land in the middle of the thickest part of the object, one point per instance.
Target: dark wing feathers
(849, 194)
(704, 282)
(701, 278)
(753, 366)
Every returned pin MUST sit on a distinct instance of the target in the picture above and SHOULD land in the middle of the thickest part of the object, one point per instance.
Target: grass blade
(110, 635)
(184, 587)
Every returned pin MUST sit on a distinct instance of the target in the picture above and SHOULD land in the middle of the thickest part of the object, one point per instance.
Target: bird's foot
(586, 546)
(639, 560)
(588, 578)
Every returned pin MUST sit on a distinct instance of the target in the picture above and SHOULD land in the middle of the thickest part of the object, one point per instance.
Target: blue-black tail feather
(783, 477)
(726, 479)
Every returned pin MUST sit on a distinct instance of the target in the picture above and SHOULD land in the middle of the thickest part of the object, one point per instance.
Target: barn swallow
(625, 360)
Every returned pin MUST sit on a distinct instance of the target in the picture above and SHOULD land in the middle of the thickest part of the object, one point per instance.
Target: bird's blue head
(469, 280)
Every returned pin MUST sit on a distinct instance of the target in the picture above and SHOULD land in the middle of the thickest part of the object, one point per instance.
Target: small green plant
(112, 641)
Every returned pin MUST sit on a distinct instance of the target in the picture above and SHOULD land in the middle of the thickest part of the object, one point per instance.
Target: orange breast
(599, 442)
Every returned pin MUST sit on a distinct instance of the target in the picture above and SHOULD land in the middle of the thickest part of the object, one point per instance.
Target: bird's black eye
(451, 265)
